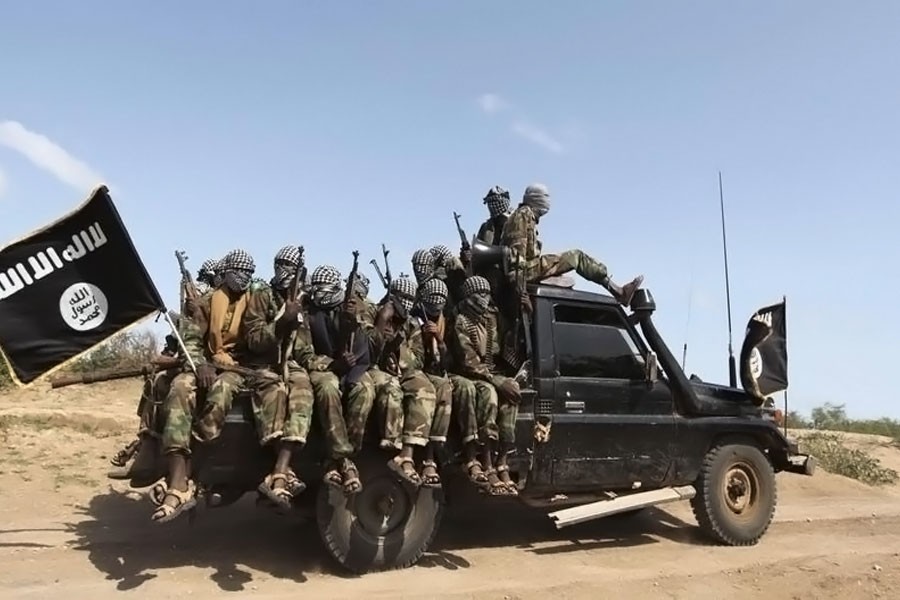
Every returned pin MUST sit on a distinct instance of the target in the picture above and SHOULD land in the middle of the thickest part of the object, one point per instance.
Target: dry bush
(835, 457)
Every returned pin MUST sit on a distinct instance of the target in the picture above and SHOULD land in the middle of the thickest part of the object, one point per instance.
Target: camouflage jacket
(391, 348)
(490, 233)
(437, 360)
(264, 336)
(311, 358)
(520, 235)
(474, 347)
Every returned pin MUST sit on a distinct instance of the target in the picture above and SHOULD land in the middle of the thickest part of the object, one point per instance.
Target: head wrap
(325, 287)
(237, 270)
(442, 255)
(403, 290)
(361, 285)
(497, 201)
(476, 296)
(207, 270)
(433, 296)
(286, 262)
(537, 196)
(423, 265)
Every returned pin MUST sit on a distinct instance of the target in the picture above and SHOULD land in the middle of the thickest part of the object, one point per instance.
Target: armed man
(491, 231)
(334, 350)
(475, 347)
(156, 386)
(406, 397)
(367, 308)
(521, 237)
(433, 358)
(273, 318)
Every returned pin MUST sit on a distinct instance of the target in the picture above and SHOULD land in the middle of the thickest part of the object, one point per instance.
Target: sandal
(505, 479)
(294, 483)
(186, 501)
(495, 487)
(476, 473)
(334, 478)
(433, 479)
(352, 484)
(125, 454)
(158, 491)
(281, 496)
(396, 465)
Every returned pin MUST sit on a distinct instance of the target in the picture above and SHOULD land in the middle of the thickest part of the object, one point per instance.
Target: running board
(604, 508)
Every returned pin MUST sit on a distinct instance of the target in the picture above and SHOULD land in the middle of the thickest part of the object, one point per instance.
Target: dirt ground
(66, 528)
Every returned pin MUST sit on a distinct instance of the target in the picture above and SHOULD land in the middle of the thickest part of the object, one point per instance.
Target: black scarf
(323, 327)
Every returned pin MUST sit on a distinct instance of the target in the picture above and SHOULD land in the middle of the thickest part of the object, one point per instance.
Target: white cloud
(2, 183)
(538, 136)
(49, 156)
(522, 126)
(492, 103)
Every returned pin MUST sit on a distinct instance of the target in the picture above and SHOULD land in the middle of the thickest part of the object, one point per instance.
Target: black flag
(69, 287)
(764, 352)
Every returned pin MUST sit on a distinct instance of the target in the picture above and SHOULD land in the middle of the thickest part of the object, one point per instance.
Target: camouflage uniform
(315, 350)
(475, 347)
(521, 237)
(449, 269)
(434, 365)
(405, 397)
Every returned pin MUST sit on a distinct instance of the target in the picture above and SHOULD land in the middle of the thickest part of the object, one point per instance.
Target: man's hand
(343, 364)
(190, 307)
(223, 358)
(206, 376)
(431, 328)
(525, 303)
(465, 256)
(289, 318)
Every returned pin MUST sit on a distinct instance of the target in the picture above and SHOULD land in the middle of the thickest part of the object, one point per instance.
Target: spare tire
(385, 526)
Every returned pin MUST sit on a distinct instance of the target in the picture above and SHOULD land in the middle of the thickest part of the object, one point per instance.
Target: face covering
(327, 296)
(283, 276)
(202, 287)
(477, 304)
(237, 281)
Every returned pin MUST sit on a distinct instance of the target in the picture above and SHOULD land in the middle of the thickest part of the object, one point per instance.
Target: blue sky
(339, 126)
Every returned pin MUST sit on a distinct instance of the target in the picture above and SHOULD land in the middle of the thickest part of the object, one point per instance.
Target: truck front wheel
(384, 526)
(736, 495)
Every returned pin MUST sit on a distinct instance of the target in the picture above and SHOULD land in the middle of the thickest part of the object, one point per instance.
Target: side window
(594, 342)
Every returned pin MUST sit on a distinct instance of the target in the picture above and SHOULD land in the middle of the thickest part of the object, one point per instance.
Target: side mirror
(652, 371)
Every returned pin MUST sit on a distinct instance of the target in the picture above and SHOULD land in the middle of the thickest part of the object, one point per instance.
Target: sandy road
(65, 530)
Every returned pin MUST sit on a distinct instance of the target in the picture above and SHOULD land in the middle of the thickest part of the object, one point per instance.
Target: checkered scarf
(404, 290)
(433, 295)
(423, 265)
(326, 288)
(442, 255)
(497, 201)
(290, 254)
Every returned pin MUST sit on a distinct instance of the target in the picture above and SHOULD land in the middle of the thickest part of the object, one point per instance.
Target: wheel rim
(382, 506)
(740, 490)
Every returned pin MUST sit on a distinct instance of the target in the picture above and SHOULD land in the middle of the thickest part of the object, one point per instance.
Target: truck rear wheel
(736, 495)
(385, 526)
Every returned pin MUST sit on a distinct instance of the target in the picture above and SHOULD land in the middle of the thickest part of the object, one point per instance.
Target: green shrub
(837, 458)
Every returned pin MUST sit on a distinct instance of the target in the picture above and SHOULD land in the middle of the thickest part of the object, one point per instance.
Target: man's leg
(300, 402)
(418, 401)
(178, 493)
(270, 413)
(359, 399)
(486, 406)
(440, 424)
(464, 397)
(151, 421)
(340, 471)
(218, 402)
(389, 408)
(507, 413)
(587, 267)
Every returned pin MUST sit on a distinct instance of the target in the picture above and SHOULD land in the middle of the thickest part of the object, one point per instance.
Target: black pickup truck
(608, 424)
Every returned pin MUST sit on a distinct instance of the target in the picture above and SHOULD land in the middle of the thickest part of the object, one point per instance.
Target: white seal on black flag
(83, 306)
(756, 364)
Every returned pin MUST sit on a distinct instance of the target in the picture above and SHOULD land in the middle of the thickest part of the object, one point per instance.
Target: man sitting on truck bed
(334, 350)
(475, 349)
(222, 344)
(521, 237)
(406, 397)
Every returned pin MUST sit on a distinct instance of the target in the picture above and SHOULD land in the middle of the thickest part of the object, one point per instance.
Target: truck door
(611, 428)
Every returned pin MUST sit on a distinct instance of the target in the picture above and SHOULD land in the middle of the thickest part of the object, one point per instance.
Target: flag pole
(732, 371)
(180, 341)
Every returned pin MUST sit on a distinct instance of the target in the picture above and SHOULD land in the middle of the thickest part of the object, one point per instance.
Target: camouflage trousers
(342, 413)
(464, 399)
(487, 418)
(179, 410)
(153, 397)
(388, 407)
(507, 414)
(443, 408)
(300, 402)
(268, 396)
(552, 265)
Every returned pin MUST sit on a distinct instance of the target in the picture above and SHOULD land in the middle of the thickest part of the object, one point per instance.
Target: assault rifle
(385, 276)
(160, 363)
(294, 295)
(464, 245)
(348, 329)
(188, 287)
